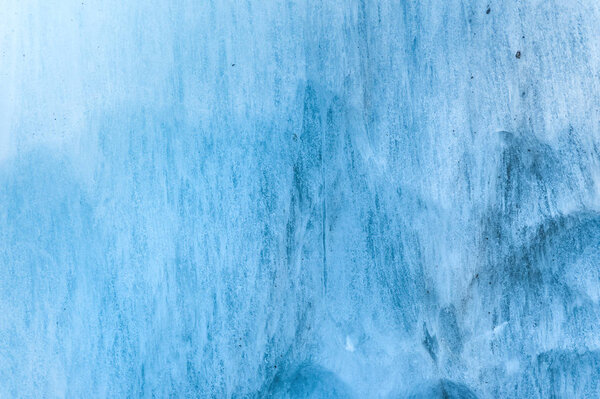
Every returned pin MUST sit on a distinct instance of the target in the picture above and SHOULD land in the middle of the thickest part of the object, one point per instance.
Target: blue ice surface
(299, 199)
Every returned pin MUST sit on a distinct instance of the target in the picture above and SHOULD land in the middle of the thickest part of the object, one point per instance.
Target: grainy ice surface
(299, 199)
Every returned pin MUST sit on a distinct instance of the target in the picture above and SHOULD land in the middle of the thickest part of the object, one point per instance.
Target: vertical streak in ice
(324, 194)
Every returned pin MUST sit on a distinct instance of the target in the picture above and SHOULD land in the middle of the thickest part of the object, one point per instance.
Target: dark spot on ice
(308, 381)
(488, 11)
(232, 64)
(445, 389)
(518, 54)
(430, 343)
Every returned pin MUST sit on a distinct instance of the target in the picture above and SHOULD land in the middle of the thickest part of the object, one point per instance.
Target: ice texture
(299, 199)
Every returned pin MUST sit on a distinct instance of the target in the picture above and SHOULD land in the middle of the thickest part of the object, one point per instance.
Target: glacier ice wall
(294, 199)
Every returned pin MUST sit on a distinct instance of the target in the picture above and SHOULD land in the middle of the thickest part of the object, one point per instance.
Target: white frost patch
(349, 344)
(512, 366)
